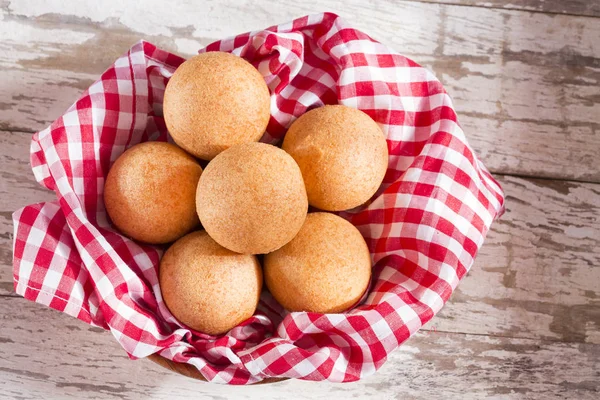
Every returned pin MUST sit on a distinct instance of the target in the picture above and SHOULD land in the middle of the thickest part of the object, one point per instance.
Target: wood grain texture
(525, 84)
(18, 188)
(525, 322)
(535, 277)
(589, 8)
(538, 273)
(65, 358)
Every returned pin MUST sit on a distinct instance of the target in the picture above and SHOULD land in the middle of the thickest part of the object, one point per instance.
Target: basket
(423, 227)
(192, 372)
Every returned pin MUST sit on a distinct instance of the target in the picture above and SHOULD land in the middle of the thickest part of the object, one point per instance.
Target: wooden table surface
(525, 78)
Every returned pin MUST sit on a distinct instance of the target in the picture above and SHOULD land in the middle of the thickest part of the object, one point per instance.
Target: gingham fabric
(423, 227)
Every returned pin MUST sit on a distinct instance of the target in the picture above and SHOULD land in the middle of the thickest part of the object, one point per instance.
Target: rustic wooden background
(525, 77)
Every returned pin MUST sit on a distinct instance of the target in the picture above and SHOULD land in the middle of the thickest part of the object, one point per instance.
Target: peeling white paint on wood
(525, 322)
(525, 85)
(52, 354)
(535, 277)
(574, 7)
(538, 273)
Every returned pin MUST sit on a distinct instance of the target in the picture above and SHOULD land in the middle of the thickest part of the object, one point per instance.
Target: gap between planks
(38, 364)
(500, 73)
(544, 282)
(556, 7)
(424, 329)
(567, 10)
(522, 176)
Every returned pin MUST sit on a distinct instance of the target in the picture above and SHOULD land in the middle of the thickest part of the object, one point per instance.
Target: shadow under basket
(192, 372)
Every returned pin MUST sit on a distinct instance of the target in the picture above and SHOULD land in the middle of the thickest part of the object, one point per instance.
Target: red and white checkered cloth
(423, 227)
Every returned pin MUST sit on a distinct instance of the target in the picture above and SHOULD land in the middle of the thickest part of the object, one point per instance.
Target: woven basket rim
(192, 372)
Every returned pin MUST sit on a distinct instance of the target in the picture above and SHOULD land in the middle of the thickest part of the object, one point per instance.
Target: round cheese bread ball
(213, 101)
(326, 268)
(342, 153)
(207, 287)
(150, 192)
(251, 198)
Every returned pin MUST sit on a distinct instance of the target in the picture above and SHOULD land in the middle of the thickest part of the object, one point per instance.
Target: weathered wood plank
(536, 276)
(525, 84)
(538, 273)
(18, 188)
(45, 354)
(589, 8)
